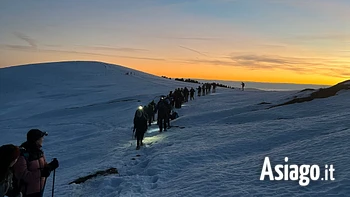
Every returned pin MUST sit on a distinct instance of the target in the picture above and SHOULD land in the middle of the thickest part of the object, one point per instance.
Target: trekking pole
(42, 192)
(53, 182)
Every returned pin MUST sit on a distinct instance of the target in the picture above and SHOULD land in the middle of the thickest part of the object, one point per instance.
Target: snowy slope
(216, 147)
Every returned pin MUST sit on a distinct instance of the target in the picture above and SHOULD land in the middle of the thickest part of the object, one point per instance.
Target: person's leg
(138, 138)
(168, 119)
(160, 124)
(142, 136)
(165, 121)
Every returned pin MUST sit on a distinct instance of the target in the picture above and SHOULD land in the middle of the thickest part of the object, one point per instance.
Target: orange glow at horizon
(195, 70)
(207, 72)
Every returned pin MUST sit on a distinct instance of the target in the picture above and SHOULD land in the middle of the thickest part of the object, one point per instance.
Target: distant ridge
(320, 93)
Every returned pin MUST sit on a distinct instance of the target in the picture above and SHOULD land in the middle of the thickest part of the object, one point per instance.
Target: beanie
(35, 134)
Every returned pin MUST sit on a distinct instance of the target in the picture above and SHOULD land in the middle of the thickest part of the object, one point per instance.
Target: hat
(9, 153)
(35, 134)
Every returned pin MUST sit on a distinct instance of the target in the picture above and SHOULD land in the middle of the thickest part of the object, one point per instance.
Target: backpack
(17, 185)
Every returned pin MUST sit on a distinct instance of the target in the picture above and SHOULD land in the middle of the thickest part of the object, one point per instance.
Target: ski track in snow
(215, 148)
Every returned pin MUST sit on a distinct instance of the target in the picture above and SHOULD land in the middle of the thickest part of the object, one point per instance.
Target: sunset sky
(289, 41)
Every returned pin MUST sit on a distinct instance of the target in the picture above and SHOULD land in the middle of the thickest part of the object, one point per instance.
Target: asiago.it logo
(303, 173)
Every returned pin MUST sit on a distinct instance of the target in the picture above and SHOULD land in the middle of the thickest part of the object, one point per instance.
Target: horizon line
(230, 80)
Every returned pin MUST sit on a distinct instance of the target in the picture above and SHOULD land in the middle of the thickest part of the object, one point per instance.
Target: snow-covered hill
(216, 148)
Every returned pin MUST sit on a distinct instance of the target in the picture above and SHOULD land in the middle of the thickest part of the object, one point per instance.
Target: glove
(45, 172)
(53, 164)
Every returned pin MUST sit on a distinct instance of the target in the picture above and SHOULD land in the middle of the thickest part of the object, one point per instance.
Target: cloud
(345, 74)
(53, 45)
(124, 49)
(31, 49)
(300, 65)
(332, 37)
(18, 47)
(272, 46)
(189, 49)
(261, 59)
(144, 58)
(336, 72)
(26, 38)
(191, 38)
(309, 65)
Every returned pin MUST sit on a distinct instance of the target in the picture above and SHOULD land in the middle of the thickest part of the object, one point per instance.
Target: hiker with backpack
(8, 157)
(150, 113)
(186, 94)
(31, 169)
(199, 90)
(163, 114)
(140, 126)
(192, 91)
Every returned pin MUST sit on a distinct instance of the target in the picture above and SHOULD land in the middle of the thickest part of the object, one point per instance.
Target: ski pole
(53, 182)
(42, 192)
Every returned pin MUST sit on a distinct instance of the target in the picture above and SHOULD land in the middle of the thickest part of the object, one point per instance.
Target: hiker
(214, 87)
(31, 169)
(199, 90)
(203, 90)
(140, 126)
(242, 84)
(162, 114)
(150, 113)
(178, 98)
(192, 91)
(171, 98)
(186, 94)
(153, 106)
(168, 111)
(8, 157)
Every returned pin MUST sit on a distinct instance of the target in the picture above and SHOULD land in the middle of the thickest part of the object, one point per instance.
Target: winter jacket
(140, 124)
(28, 168)
(6, 186)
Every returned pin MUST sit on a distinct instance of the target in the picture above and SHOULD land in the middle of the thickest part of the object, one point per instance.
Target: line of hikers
(206, 89)
(23, 169)
(164, 109)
